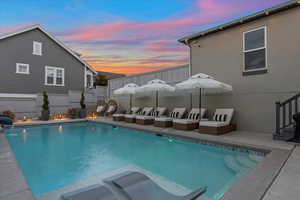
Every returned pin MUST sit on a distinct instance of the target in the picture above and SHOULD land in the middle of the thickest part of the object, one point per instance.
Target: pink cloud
(102, 31)
(158, 37)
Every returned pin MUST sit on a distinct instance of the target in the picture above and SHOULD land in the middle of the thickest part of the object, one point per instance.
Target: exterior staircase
(285, 125)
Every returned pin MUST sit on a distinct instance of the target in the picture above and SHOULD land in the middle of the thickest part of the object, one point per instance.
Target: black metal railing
(284, 113)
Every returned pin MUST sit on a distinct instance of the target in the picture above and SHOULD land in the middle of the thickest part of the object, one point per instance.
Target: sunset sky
(126, 36)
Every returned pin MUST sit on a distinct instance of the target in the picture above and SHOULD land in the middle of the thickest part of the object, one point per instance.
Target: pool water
(54, 156)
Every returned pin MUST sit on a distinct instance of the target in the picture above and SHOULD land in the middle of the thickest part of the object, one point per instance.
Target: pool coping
(252, 186)
(13, 183)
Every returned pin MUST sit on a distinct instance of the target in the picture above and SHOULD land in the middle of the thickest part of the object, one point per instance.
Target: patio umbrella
(128, 89)
(203, 81)
(156, 86)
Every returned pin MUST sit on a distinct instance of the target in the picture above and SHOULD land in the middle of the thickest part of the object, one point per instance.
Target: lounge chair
(131, 117)
(101, 107)
(137, 186)
(177, 113)
(121, 116)
(94, 192)
(191, 122)
(147, 120)
(112, 107)
(6, 120)
(220, 124)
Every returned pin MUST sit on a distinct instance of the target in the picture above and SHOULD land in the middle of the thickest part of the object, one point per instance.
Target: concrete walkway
(287, 184)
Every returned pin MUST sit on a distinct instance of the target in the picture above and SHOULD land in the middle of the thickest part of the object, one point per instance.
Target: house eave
(265, 13)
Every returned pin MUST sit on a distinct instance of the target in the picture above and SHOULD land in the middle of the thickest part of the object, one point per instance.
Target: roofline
(37, 26)
(264, 13)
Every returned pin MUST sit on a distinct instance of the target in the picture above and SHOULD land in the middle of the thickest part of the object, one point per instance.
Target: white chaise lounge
(191, 122)
(220, 124)
(177, 113)
(121, 117)
(130, 118)
(147, 120)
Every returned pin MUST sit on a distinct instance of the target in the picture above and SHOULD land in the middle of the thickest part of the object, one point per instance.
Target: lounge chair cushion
(213, 124)
(164, 119)
(185, 121)
(134, 110)
(143, 117)
(118, 115)
(94, 192)
(194, 113)
(111, 108)
(130, 116)
(223, 115)
(100, 109)
(146, 111)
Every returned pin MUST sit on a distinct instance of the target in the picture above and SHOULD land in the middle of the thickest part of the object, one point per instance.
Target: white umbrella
(130, 89)
(155, 85)
(203, 81)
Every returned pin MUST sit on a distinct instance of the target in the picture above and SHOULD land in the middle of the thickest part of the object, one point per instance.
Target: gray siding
(18, 49)
(220, 55)
(254, 97)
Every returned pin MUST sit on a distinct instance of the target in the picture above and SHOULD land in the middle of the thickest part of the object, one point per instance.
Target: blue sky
(126, 36)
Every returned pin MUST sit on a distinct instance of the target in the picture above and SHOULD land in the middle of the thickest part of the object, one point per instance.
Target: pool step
(256, 158)
(245, 161)
(232, 163)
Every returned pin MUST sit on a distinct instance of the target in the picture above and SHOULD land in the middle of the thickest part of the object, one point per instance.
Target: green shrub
(46, 101)
(82, 103)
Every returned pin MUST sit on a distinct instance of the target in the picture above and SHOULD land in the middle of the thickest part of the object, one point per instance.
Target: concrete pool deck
(280, 183)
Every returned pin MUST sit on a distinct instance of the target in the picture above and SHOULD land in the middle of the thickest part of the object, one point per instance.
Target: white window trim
(33, 49)
(251, 50)
(88, 72)
(55, 75)
(17, 68)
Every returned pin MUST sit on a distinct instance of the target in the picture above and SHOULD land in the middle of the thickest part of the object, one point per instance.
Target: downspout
(190, 56)
(84, 87)
(190, 69)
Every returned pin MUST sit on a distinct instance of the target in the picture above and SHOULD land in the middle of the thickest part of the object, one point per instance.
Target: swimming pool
(54, 156)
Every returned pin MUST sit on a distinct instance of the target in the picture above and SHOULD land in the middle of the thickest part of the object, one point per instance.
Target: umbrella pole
(130, 104)
(191, 101)
(200, 101)
(156, 99)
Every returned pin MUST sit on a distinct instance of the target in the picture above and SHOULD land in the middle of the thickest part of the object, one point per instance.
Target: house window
(88, 81)
(54, 76)
(37, 48)
(22, 68)
(255, 56)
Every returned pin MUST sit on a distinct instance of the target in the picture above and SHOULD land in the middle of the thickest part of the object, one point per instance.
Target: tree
(45, 101)
(101, 80)
(82, 103)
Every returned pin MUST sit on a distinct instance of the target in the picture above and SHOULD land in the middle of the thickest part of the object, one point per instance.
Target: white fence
(171, 76)
(59, 103)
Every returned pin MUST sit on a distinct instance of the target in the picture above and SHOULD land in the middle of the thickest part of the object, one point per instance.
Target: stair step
(246, 162)
(256, 158)
(233, 164)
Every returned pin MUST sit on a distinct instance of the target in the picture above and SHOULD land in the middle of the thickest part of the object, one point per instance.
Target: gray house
(33, 61)
(259, 55)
